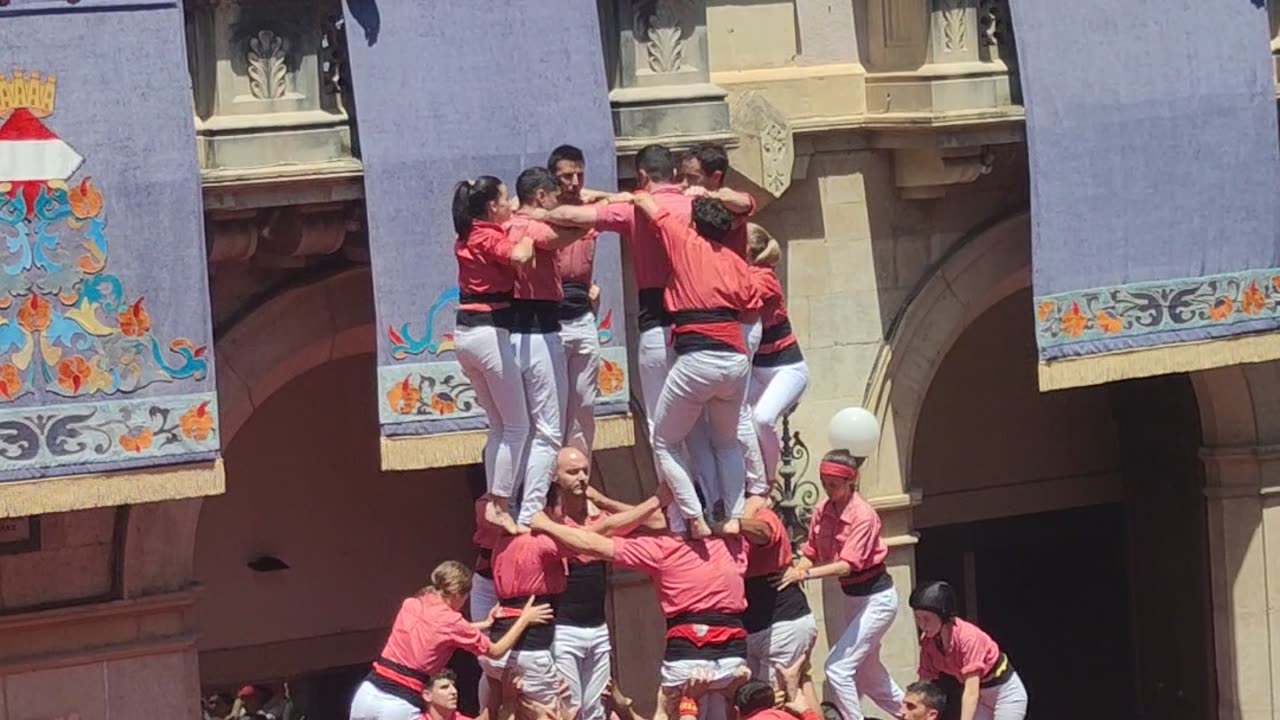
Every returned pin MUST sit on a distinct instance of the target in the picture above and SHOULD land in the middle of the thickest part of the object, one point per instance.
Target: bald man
(581, 648)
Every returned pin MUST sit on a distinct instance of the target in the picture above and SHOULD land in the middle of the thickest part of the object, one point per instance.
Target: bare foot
(698, 529)
(732, 526)
(496, 514)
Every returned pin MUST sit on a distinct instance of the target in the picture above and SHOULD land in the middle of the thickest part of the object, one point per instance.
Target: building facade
(884, 142)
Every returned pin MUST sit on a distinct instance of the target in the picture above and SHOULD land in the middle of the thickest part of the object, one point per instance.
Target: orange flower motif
(403, 398)
(443, 403)
(1073, 321)
(137, 440)
(10, 381)
(1222, 308)
(197, 422)
(134, 320)
(1045, 308)
(611, 377)
(1252, 301)
(1275, 282)
(85, 200)
(34, 313)
(73, 373)
(1108, 322)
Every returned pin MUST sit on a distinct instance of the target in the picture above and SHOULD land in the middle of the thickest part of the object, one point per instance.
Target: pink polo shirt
(593, 518)
(776, 555)
(851, 535)
(736, 240)
(484, 264)
(971, 651)
(689, 575)
(539, 280)
(526, 565)
(575, 261)
(648, 256)
(427, 631)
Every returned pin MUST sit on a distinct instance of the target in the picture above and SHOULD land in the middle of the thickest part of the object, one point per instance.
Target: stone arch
(299, 329)
(988, 265)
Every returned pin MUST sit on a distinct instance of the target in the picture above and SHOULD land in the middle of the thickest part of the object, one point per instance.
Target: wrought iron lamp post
(793, 499)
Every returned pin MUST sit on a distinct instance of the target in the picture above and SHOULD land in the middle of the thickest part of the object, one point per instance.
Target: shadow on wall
(367, 16)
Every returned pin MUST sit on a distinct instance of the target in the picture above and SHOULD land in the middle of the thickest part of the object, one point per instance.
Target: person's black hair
(469, 200)
(656, 162)
(933, 696)
(712, 219)
(752, 697)
(532, 180)
(565, 152)
(937, 597)
(712, 158)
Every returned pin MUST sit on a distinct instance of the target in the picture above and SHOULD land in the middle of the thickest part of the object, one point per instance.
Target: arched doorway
(1072, 523)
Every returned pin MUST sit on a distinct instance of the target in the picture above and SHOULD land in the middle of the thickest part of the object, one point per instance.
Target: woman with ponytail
(487, 262)
(428, 628)
(844, 542)
(953, 646)
(779, 374)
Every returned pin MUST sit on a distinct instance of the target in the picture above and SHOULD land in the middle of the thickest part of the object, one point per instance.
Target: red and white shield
(29, 151)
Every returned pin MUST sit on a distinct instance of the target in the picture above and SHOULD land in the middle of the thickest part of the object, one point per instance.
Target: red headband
(835, 469)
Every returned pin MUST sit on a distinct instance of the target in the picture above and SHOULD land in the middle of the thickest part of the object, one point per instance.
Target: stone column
(1243, 490)
(659, 72)
(1273, 14)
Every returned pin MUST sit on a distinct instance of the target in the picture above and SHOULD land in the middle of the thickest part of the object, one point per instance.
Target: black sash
(535, 637)
(582, 602)
(577, 300)
(684, 649)
(651, 313)
(767, 605)
(535, 317)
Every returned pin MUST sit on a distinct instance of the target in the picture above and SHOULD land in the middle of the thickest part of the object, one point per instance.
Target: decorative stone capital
(299, 232)
(232, 236)
(765, 154)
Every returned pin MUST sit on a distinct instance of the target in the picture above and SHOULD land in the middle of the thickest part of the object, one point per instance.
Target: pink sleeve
(751, 298)
(973, 653)
(810, 549)
(741, 218)
(635, 554)
(616, 217)
(467, 637)
(862, 549)
(671, 231)
(495, 246)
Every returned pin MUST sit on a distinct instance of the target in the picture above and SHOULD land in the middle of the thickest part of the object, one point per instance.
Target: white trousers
(537, 667)
(370, 703)
(716, 381)
(483, 597)
(713, 705)
(581, 341)
(582, 657)
(488, 360)
(540, 357)
(1006, 701)
(774, 391)
(853, 666)
(780, 644)
(656, 358)
(702, 452)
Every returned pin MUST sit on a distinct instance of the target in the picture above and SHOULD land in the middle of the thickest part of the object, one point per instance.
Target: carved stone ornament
(954, 25)
(268, 69)
(659, 26)
(765, 154)
(333, 54)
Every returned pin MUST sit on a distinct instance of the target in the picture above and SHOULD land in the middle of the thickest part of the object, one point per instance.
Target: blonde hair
(762, 248)
(449, 578)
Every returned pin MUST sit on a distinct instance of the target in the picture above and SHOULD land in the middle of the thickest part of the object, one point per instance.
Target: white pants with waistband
(540, 357)
(488, 360)
(774, 391)
(715, 381)
(853, 666)
(582, 657)
(1006, 701)
(713, 705)
(537, 667)
(370, 703)
(581, 341)
(780, 644)
(483, 599)
(702, 453)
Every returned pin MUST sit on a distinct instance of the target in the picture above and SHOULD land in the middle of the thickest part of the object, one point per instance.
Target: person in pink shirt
(441, 698)
(535, 332)
(951, 645)
(578, 324)
(487, 260)
(426, 631)
(582, 647)
(700, 590)
(844, 542)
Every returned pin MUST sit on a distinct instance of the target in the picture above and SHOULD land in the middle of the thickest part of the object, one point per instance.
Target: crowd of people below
(718, 365)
